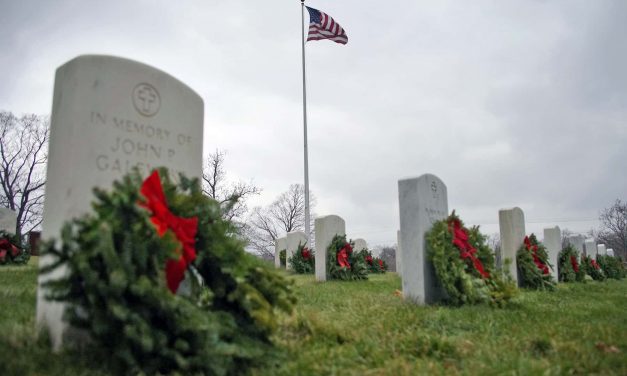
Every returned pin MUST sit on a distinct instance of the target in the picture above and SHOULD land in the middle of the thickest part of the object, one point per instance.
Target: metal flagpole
(307, 224)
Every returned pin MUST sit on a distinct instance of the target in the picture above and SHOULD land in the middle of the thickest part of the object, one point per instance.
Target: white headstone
(591, 248)
(422, 201)
(359, 244)
(512, 228)
(577, 242)
(610, 252)
(109, 115)
(399, 254)
(553, 244)
(8, 220)
(294, 239)
(601, 250)
(326, 228)
(279, 245)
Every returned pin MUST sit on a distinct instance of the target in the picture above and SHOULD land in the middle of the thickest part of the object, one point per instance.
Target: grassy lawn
(364, 328)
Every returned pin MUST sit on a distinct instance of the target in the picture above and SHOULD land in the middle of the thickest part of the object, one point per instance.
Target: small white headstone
(360, 244)
(294, 239)
(553, 244)
(512, 228)
(8, 220)
(399, 254)
(109, 115)
(601, 250)
(577, 242)
(591, 248)
(610, 252)
(279, 245)
(422, 201)
(326, 228)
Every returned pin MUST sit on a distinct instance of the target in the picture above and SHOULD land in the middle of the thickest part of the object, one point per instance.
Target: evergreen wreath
(374, 264)
(612, 266)
(568, 269)
(12, 251)
(592, 268)
(282, 257)
(124, 261)
(533, 265)
(303, 261)
(343, 263)
(464, 265)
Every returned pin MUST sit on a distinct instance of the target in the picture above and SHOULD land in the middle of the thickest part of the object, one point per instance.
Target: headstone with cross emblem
(109, 116)
(512, 229)
(422, 201)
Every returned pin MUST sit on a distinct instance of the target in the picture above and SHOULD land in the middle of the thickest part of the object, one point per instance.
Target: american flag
(322, 26)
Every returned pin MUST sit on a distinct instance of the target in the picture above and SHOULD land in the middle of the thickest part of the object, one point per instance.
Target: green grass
(363, 328)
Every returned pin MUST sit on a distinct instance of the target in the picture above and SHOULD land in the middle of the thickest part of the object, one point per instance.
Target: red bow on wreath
(369, 259)
(533, 248)
(594, 264)
(381, 264)
(183, 228)
(573, 262)
(306, 254)
(342, 256)
(5, 247)
(467, 251)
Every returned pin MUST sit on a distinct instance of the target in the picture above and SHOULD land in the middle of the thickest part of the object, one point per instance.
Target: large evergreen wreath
(125, 260)
(568, 269)
(343, 263)
(611, 266)
(464, 264)
(592, 268)
(533, 265)
(303, 261)
(12, 251)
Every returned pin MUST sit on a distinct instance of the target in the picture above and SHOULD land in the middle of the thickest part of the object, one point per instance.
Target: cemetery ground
(364, 328)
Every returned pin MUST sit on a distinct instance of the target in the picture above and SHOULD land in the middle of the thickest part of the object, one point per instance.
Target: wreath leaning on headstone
(612, 266)
(374, 264)
(464, 264)
(592, 268)
(303, 261)
(343, 263)
(533, 265)
(11, 249)
(162, 285)
(568, 269)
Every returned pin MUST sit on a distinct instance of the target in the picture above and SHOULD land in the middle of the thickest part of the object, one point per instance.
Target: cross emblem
(146, 99)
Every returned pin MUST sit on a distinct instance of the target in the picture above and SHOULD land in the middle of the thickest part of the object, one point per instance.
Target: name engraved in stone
(131, 126)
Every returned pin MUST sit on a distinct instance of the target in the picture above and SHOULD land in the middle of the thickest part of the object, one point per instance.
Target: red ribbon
(7, 246)
(466, 251)
(533, 248)
(381, 264)
(342, 256)
(594, 264)
(369, 259)
(306, 254)
(573, 262)
(183, 228)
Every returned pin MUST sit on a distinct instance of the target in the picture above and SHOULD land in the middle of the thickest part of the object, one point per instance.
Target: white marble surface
(326, 228)
(8, 220)
(512, 228)
(553, 244)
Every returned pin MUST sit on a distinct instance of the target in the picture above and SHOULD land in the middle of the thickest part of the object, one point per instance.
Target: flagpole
(307, 224)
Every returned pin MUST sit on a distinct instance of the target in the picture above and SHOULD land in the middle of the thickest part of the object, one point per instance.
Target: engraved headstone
(294, 239)
(512, 228)
(110, 115)
(280, 244)
(326, 228)
(577, 242)
(553, 244)
(360, 244)
(399, 254)
(8, 220)
(601, 250)
(422, 201)
(590, 246)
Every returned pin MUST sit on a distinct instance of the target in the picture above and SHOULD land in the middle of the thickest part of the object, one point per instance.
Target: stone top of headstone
(8, 220)
(110, 115)
(360, 244)
(610, 252)
(577, 241)
(601, 250)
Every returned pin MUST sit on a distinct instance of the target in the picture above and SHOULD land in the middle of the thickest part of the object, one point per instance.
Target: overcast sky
(510, 103)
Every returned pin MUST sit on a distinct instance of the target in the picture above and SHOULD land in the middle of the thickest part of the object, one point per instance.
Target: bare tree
(285, 214)
(23, 157)
(613, 231)
(388, 254)
(231, 195)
